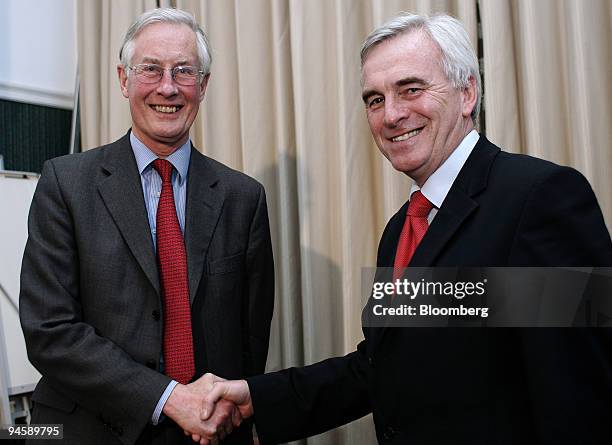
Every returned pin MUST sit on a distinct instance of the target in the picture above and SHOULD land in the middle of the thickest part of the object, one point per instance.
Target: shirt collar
(179, 158)
(439, 183)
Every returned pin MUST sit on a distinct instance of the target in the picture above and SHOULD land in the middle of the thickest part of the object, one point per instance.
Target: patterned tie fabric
(413, 232)
(172, 258)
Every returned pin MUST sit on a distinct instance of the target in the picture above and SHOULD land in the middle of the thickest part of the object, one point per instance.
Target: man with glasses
(147, 264)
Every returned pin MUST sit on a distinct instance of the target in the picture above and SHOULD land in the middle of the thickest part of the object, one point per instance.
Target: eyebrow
(150, 60)
(410, 80)
(400, 83)
(146, 59)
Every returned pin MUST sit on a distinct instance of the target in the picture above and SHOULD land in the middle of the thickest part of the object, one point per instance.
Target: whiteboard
(16, 192)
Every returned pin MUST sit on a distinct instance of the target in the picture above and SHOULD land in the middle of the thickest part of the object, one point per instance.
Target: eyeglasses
(183, 75)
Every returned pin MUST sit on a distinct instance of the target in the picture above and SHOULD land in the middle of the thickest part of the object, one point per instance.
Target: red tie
(178, 341)
(413, 232)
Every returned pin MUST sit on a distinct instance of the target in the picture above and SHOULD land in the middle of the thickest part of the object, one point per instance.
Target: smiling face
(163, 112)
(416, 116)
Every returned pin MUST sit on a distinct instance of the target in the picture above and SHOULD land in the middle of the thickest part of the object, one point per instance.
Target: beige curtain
(284, 106)
(101, 25)
(548, 65)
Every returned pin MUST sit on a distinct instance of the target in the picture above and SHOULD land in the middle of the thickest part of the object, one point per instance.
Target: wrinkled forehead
(160, 41)
(413, 53)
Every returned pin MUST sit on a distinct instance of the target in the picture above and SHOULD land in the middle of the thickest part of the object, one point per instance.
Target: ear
(203, 86)
(122, 73)
(469, 97)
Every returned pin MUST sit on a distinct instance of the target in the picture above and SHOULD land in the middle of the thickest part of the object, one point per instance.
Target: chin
(404, 165)
(169, 135)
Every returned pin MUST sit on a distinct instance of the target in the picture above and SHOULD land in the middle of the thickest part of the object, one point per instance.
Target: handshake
(209, 408)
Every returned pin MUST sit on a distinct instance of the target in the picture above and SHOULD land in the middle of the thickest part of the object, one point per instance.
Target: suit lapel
(122, 194)
(204, 204)
(385, 259)
(458, 205)
(456, 208)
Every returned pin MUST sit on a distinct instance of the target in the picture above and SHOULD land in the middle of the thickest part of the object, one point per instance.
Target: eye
(375, 102)
(411, 91)
(185, 70)
(146, 68)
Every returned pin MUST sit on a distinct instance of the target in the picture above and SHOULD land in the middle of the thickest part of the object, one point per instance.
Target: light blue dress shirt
(151, 188)
(151, 181)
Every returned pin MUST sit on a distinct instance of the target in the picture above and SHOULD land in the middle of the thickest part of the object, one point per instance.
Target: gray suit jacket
(90, 302)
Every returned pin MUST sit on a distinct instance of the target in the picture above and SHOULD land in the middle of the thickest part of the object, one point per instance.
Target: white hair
(166, 15)
(459, 61)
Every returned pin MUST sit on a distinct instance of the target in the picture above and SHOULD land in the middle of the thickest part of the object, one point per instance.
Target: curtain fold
(101, 25)
(283, 105)
(547, 68)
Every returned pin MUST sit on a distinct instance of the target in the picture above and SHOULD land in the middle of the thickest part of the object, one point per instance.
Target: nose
(167, 85)
(395, 112)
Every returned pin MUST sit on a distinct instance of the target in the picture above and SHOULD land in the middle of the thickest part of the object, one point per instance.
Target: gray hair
(459, 61)
(166, 15)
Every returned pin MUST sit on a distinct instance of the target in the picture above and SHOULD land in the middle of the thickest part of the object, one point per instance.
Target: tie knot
(164, 168)
(419, 205)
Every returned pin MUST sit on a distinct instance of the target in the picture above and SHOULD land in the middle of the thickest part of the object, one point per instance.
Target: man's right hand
(184, 406)
(235, 391)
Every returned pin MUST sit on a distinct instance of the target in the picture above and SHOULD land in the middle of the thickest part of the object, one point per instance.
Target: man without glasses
(471, 205)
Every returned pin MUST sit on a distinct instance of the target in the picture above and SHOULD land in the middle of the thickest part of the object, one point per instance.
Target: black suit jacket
(470, 385)
(90, 303)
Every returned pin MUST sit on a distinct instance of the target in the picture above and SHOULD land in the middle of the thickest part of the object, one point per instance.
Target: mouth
(407, 135)
(168, 109)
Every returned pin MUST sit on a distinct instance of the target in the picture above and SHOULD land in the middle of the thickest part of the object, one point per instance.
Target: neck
(162, 149)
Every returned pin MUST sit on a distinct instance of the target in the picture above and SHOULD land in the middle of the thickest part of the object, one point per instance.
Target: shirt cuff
(162, 401)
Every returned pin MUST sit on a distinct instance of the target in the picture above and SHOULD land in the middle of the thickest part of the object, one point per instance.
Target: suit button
(389, 433)
(119, 431)
(371, 361)
(151, 364)
(155, 315)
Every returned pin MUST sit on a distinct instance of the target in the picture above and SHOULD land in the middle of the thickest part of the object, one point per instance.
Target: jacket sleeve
(260, 289)
(568, 369)
(300, 402)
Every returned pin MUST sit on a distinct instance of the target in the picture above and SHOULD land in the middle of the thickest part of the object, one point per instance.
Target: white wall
(38, 53)
(15, 197)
